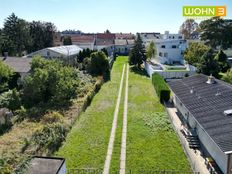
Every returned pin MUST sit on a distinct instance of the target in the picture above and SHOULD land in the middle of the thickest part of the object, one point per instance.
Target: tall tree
(67, 40)
(222, 60)
(194, 52)
(137, 53)
(217, 32)
(42, 34)
(208, 65)
(151, 50)
(16, 31)
(189, 29)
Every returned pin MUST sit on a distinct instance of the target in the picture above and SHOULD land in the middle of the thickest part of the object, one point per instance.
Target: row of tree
(19, 36)
(215, 32)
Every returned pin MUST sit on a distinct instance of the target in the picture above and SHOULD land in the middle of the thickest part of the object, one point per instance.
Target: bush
(50, 137)
(52, 117)
(10, 99)
(161, 87)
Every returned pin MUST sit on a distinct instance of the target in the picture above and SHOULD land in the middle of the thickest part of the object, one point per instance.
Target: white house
(67, 54)
(149, 37)
(206, 108)
(170, 48)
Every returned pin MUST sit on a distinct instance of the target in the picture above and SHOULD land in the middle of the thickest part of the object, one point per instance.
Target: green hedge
(161, 87)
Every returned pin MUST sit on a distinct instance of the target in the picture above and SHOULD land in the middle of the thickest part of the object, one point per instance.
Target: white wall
(172, 54)
(219, 156)
(167, 74)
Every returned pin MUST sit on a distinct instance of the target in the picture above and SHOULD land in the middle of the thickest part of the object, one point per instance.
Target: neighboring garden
(45, 106)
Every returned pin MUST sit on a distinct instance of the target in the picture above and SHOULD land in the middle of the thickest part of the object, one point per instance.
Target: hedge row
(161, 87)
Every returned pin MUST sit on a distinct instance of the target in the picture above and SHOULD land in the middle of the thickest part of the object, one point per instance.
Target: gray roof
(18, 64)
(66, 50)
(120, 42)
(207, 107)
(45, 165)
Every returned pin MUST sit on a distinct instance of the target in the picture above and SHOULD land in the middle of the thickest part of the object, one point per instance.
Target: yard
(152, 144)
(86, 144)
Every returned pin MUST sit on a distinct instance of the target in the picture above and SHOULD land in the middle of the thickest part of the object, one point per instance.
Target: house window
(160, 54)
(180, 37)
(162, 46)
(173, 46)
(173, 37)
(165, 54)
(125, 49)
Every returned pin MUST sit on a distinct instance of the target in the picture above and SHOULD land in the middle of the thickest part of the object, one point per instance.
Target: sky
(98, 15)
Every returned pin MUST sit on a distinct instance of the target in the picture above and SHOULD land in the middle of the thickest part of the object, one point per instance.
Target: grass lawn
(152, 144)
(86, 144)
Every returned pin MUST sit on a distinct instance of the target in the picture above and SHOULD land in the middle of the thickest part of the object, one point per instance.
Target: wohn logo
(204, 11)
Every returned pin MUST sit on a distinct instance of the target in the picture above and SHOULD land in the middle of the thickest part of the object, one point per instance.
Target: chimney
(211, 80)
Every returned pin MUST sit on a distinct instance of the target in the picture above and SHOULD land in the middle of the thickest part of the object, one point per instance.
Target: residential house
(22, 66)
(128, 36)
(123, 46)
(67, 53)
(147, 38)
(170, 48)
(105, 40)
(84, 41)
(205, 104)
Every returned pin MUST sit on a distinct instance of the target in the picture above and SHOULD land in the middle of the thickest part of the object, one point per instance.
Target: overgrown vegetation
(50, 82)
(6, 74)
(161, 87)
(50, 100)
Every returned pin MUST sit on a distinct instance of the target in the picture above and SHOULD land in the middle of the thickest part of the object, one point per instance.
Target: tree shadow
(139, 71)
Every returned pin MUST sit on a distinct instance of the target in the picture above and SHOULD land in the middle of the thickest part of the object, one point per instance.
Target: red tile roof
(83, 38)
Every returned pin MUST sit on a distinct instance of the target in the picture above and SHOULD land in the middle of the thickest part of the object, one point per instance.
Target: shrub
(50, 137)
(52, 117)
(161, 87)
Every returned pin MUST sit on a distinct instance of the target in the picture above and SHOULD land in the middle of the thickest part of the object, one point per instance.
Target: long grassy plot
(86, 144)
(151, 142)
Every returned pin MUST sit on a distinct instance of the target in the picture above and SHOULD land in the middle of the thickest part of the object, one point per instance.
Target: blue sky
(99, 15)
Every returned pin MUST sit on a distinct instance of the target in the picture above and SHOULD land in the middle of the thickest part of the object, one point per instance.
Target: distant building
(128, 36)
(149, 37)
(206, 108)
(123, 46)
(47, 165)
(20, 65)
(170, 48)
(67, 54)
(84, 41)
